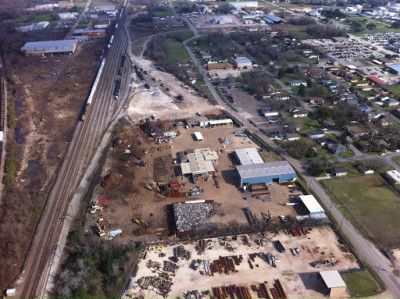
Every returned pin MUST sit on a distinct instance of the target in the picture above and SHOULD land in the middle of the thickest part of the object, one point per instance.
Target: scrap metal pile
(190, 215)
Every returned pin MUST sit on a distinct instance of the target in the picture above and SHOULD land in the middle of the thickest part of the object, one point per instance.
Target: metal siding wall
(287, 177)
(258, 180)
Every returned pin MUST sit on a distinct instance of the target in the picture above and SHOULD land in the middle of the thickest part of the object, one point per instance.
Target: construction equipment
(100, 231)
(140, 222)
(96, 206)
(153, 186)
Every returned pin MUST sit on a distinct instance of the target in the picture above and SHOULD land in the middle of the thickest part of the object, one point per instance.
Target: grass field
(394, 89)
(163, 14)
(41, 18)
(362, 284)
(175, 50)
(370, 204)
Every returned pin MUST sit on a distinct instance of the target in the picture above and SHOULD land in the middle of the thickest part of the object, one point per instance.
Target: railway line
(86, 138)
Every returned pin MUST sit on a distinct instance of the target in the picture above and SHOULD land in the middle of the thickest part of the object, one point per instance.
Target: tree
(302, 90)
(309, 83)
(370, 26)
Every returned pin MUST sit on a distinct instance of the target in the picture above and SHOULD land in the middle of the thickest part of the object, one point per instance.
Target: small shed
(198, 136)
(334, 282)
(339, 171)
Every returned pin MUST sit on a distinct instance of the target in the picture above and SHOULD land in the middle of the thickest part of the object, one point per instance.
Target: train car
(117, 89)
(111, 39)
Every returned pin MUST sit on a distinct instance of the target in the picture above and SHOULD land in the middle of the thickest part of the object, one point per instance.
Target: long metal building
(266, 173)
(50, 47)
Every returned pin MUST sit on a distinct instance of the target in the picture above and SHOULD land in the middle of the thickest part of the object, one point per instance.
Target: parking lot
(296, 273)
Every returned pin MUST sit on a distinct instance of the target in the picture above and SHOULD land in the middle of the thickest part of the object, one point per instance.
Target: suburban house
(316, 134)
(281, 97)
(391, 103)
(336, 148)
(315, 74)
(300, 113)
(339, 171)
(267, 112)
(292, 136)
(356, 132)
(365, 169)
(322, 61)
(297, 83)
(316, 101)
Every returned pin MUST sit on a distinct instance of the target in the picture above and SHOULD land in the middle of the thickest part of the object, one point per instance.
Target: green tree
(309, 83)
(302, 90)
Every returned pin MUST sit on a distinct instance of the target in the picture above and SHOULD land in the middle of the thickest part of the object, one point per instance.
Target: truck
(117, 89)
(278, 245)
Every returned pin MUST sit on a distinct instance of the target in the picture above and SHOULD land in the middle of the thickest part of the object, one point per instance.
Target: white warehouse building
(244, 4)
(223, 20)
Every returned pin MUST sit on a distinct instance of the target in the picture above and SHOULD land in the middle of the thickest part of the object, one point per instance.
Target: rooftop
(49, 44)
(395, 67)
(248, 156)
(332, 279)
(311, 204)
(265, 169)
(243, 60)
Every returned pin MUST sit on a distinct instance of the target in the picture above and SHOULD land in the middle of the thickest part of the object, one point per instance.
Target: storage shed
(313, 207)
(248, 156)
(198, 136)
(266, 173)
(334, 282)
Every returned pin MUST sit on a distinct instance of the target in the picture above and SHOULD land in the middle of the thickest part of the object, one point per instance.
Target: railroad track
(86, 139)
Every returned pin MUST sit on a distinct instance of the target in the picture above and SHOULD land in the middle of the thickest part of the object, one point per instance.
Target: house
(365, 169)
(316, 101)
(339, 171)
(300, 113)
(323, 61)
(315, 74)
(219, 66)
(336, 148)
(325, 141)
(380, 143)
(281, 96)
(267, 112)
(365, 109)
(316, 134)
(393, 176)
(292, 136)
(297, 83)
(383, 121)
(356, 132)
(243, 64)
(391, 103)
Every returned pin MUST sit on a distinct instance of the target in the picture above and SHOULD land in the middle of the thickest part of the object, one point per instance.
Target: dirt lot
(49, 94)
(129, 198)
(298, 277)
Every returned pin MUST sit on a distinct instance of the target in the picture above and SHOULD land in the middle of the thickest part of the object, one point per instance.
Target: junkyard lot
(298, 277)
(151, 206)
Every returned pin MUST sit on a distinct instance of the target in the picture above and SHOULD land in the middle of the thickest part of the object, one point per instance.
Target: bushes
(11, 116)
(9, 170)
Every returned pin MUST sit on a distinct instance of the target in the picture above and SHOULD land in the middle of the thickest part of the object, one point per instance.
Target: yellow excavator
(140, 222)
(153, 186)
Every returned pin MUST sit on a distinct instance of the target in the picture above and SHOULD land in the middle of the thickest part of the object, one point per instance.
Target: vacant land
(370, 204)
(175, 50)
(362, 284)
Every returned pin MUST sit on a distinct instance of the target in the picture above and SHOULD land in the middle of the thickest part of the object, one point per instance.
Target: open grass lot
(370, 204)
(362, 284)
(163, 14)
(42, 18)
(175, 50)
(394, 89)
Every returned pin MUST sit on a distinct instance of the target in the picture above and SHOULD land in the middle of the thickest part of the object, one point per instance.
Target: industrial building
(67, 16)
(199, 163)
(248, 156)
(244, 4)
(314, 209)
(102, 24)
(223, 20)
(395, 68)
(50, 47)
(272, 19)
(393, 176)
(334, 283)
(265, 173)
(243, 64)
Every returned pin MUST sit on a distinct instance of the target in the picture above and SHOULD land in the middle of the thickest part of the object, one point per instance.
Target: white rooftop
(332, 279)
(207, 153)
(311, 204)
(248, 156)
(243, 60)
(198, 136)
(49, 44)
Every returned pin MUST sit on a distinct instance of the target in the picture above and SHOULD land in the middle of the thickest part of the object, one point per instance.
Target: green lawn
(394, 89)
(41, 18)
(396, 159)
(163, 14)
(308, 124)
(175, 50)
(22, 19)
(362, 284)
(370, 204)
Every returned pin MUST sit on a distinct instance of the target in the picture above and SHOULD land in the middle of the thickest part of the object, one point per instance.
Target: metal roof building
(199, 164)
(248, 156)
(272, 19)
(334, 282)
(393, 176)
(50, 47)
(266, 173)
(395, 68)
(312, 204)
(242, 4)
